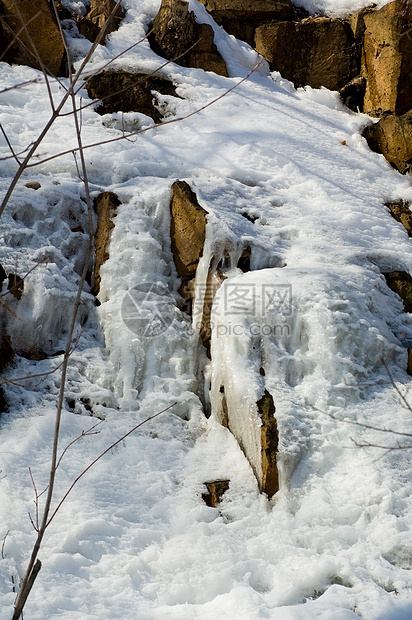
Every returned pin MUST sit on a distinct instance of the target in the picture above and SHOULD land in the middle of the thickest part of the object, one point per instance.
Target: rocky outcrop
(31, 36)
(105, 206)
(255, 429)
(215, 492)
(316, 51)
(387, 59)
(353, 93)
(241, 17)
(187, 229)
(177, 36)
(392, 136)
(100, 13)
(401, 283)
(401, 213)
(269, 444)
(120, 91)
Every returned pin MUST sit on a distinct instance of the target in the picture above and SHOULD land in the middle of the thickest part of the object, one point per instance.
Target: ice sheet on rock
(149, 339)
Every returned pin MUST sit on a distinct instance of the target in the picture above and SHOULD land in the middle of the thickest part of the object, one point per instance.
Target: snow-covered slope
(135, 539)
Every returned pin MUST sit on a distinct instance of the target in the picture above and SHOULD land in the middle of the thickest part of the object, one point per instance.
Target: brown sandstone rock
(216, 490)
(316, 51)
(31, 31)
(100, 12)
(105, 206)
(392, 136)
(187, 229)
(120, 91)
(269, 444)
(387, 59)
(178, 37)
(401, 283)
(242, 17)
(401, 213)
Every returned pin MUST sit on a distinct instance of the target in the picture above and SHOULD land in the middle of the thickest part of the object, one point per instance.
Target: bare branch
(4, 542)
(13, 154)
(87, 433)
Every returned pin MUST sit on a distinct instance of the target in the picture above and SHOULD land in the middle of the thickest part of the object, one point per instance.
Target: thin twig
(87, 433)
(4, 542)
(36, 495)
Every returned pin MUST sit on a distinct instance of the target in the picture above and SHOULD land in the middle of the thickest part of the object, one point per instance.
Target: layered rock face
(387, 59)
(178, 37)
(392, 136)
(30, 35)
(316, 51)
(242, 17)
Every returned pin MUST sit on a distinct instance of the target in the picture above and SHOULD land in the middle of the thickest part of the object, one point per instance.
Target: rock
(15, 285)
(187, 229)
(409, 364)
(269, 444)
(215, 489)
(256, 433)
(401, 283)
(316, 51)
(34, 354)
(392, 136)
(241, 17)
(32, 32)
(7, 352)
(105, 206)
(33, 185)
(401, 212)
(387, 59)
(100, 12)
(178, 37)
(353, 93)
(120, 91)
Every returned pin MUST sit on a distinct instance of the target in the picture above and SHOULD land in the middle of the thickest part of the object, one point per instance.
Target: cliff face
(251, 267)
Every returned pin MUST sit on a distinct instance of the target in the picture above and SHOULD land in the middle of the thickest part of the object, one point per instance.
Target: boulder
(392, 136)
(105, 206)
(241, 17)
(401, 213)
(100, 12)
(187, 229)
(317, 51)
(269, 440)
(215, 492)
(401, 283)
(120, 91)
(178, 37)
(353, 93)
(387, 59)
(31, 36)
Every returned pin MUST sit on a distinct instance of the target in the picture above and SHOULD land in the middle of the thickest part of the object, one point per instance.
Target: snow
(134, 538)
(336, 8)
